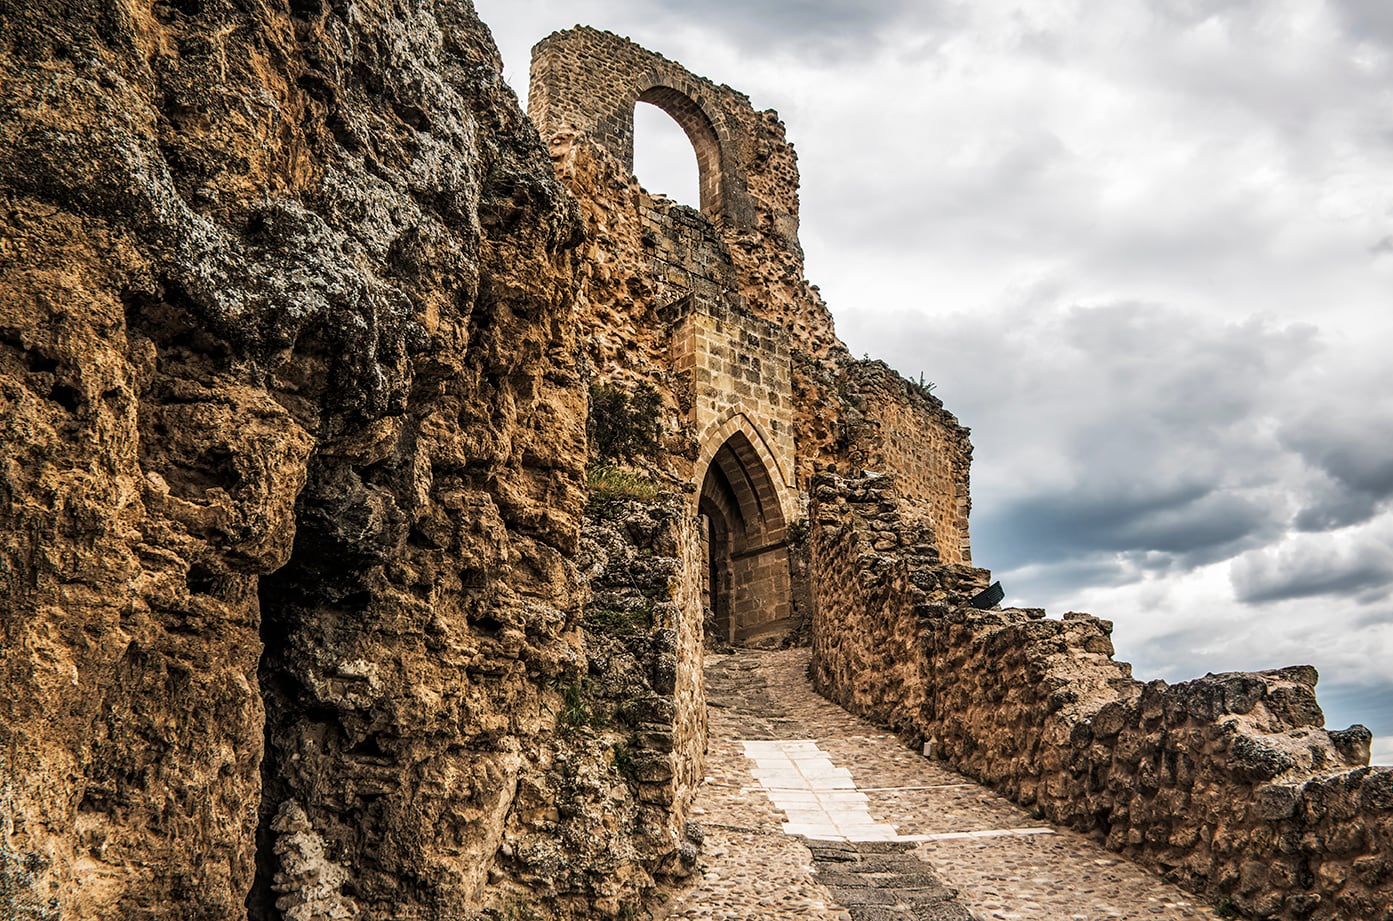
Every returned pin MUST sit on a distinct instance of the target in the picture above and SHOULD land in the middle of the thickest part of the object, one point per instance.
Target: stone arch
(694, 121)
(735, 420)
(748, 583)
(591, 80)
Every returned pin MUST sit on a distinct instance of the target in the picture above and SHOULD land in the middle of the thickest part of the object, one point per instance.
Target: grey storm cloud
(1151, 528)
(1190, 13)
(1307, 568)
(1366, 20)
(1352, 452)
(1155, 422)
(829, 27)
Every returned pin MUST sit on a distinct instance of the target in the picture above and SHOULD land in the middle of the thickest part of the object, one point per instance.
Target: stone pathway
(810, 812)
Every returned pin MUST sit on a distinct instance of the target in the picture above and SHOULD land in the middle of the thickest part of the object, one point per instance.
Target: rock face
(294, 465)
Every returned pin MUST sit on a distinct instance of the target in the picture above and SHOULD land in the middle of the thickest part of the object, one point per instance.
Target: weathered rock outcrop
(293, 470)
(318, 602)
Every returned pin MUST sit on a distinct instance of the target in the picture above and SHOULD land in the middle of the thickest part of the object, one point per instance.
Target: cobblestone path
(810, 812)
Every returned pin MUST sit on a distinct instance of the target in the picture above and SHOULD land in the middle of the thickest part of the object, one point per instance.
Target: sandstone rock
(285, 365)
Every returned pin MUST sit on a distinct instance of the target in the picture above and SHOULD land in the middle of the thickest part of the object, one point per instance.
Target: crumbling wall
(640, 254)
(661, 274)
(1227, 784)
(585, 84)
(294, 466)
(876, 578)
(896, 426)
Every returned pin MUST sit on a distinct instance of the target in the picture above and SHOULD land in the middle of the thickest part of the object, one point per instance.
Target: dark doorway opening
(747, 585)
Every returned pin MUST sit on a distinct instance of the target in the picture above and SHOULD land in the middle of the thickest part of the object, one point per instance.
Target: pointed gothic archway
(748, 586)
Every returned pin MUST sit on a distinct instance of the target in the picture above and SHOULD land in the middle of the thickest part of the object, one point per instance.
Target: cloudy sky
(1145, 249)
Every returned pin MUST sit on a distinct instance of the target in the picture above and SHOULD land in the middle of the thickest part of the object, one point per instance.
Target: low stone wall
(1227, 784)
(874, 572)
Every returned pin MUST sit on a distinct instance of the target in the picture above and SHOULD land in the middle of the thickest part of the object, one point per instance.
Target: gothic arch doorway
(747, 584)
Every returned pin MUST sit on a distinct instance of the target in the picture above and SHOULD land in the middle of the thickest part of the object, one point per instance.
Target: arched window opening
(664, 159)
(702, 140)
(747, 568)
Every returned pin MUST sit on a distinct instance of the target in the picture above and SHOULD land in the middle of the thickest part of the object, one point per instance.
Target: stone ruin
(322, 602)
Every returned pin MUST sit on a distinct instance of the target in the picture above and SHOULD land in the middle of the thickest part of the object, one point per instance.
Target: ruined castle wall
(617, 296)
(1228, 784)
(588, 80)
(897, 427)
(294, 471)
(875, 570)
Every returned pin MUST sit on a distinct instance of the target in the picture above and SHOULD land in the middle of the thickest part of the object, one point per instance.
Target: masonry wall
(589, 81)
(1227, 784)
(733, 370)
(876, 574)
(898, 427)
(686, 253)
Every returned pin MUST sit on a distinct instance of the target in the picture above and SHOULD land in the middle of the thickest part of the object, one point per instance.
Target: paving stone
(753, 871)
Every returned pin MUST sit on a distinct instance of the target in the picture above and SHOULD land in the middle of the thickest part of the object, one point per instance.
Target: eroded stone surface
(293, 473)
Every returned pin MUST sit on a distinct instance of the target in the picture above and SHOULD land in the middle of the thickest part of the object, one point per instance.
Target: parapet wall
(875, 571)
(1227, 784)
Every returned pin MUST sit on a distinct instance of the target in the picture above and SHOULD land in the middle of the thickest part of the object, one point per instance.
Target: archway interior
(747, 551)
(702, 136)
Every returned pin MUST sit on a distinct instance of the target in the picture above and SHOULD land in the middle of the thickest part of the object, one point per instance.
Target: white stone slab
(819, 799)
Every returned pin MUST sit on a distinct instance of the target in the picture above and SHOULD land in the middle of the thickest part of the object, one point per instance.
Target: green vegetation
(519, 911)
(1226, 908)
(576, 710)
(620, 622)
(623, 425)
(624, 762)
(611, 485)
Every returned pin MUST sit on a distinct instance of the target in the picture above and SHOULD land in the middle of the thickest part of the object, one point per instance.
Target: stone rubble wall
(874, 576)
(1227, 784)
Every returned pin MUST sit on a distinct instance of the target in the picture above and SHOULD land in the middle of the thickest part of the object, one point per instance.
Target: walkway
(810, 812)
